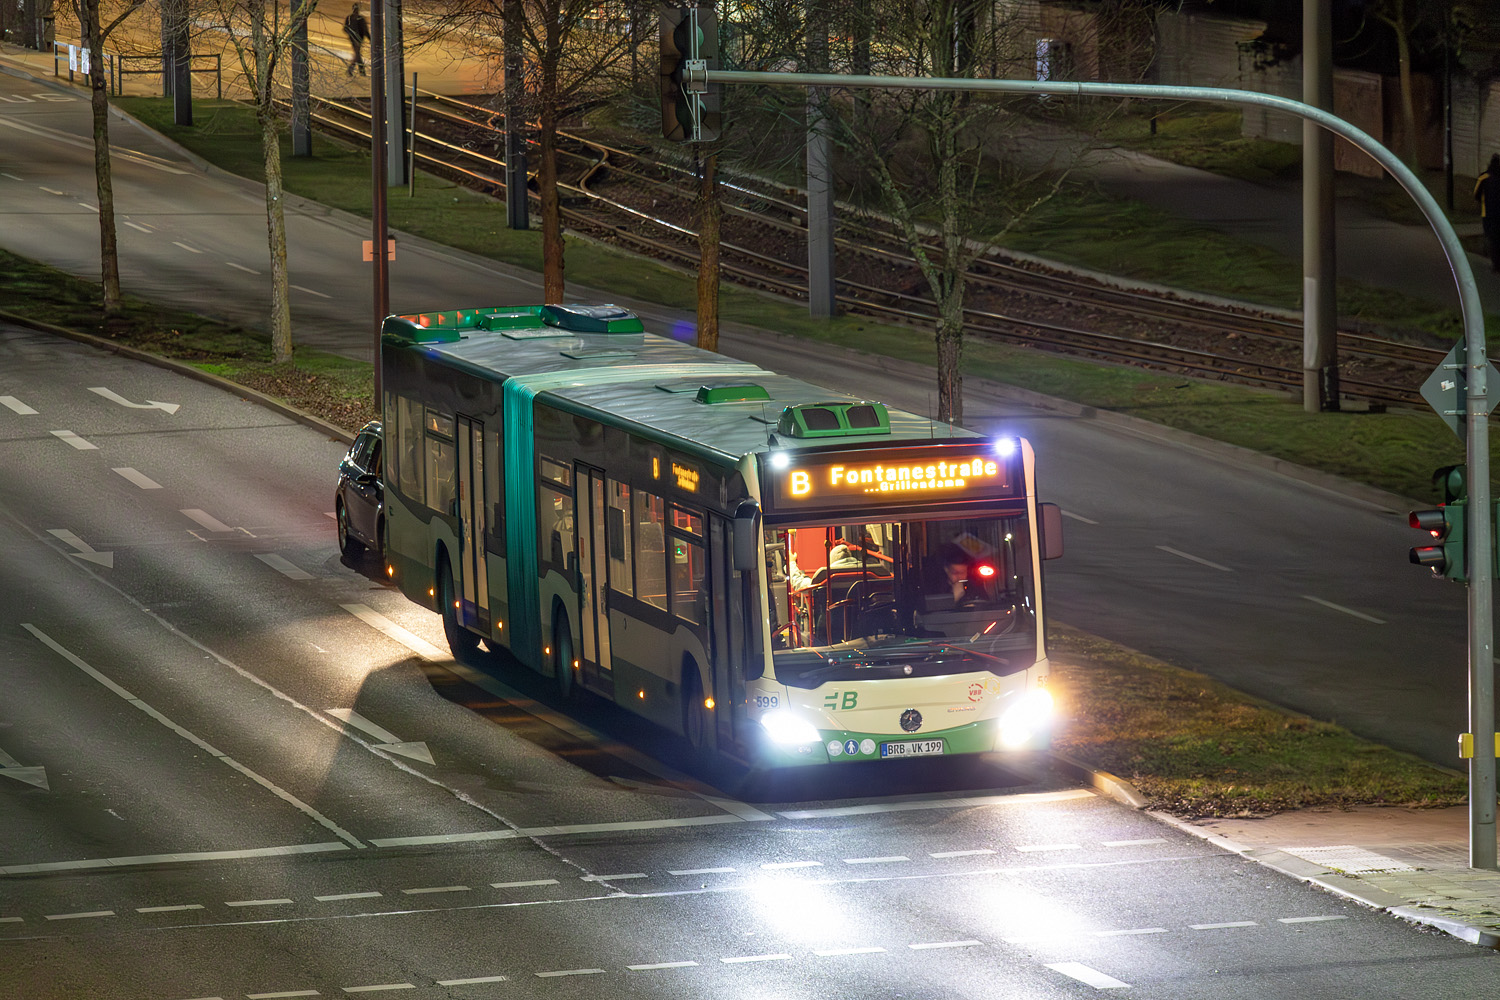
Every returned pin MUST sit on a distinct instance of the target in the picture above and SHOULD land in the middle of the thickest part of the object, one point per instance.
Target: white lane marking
(472, 981)
(169, 909)
(661, 965)
(207, 520)
(780, 865)
(137, 225)
(1131, 932)
(446, 838)
(698, 871)
(258, 902)
(140, 479)
(14, 177)
(1215, 927)
(70, 139)
(346, 895)
(962, 854)
(436, 888)
(1078, 517)
(83, 550)
(279, 996)
(84, 204)
(12, 403)
(310, 291)
(50, 191)
(1134, 843)
(75, 440)
(1029, 848)
(170, 859)
(415, 749)
(283, 566)
(1339, 607)
(378, 989)
(12, 920)
(833, 952)
(1307, 920)
(569, 972)
(381, 623)
(186, 247)
(1192, 558)
(928, 945)
(1088, 976)
(274, 789)
(240, 267)
(958, 803)
(522, 885)
(80, 916)
(150, 404)
(876, 861)
(741, 959)
(611, 878)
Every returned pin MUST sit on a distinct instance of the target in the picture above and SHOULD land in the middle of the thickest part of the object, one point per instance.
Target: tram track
(626, 198)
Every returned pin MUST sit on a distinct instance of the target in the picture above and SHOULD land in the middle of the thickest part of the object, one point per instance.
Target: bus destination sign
(850, 479)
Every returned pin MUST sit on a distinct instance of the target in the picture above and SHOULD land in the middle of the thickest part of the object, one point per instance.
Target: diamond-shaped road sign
(1446, 390)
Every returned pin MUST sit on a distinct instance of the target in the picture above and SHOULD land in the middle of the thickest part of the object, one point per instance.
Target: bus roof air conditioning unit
(820, 420)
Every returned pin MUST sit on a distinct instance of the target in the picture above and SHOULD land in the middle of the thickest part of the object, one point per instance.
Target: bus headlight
(784, 726)
(1028, 716)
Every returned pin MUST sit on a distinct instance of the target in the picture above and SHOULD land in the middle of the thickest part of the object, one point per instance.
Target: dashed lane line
(1192, 558)
(520, 885)
(70, 438)
(169, 909)
(1308, 920)
(85, 915)
(962, 854)
(1131, 932)
(310, 291)
(836, 952)
(744, 959)
(16, 406)
(1338, 607)
(383, 987)
(1133, 843)
(265, 783)
(1036, 848)
(336, 897)
(84, 204)
(931, 945)
(1087, 976)
(283, 566)
(240, 267)
(774, 866)
(612, 878)
(699, 871)
(892, 859)
(258, 902)
(436, 889)
(137, 225)
(662, 965)
(140, 479)
(1223, 926)
(569, 972)
(207, 520)
(282, 995)
(472, 981)
(186, 247)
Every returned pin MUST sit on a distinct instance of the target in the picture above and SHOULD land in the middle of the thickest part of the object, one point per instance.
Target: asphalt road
(183, 650)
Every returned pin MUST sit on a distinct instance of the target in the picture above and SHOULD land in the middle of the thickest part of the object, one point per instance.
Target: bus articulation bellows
(783, 574)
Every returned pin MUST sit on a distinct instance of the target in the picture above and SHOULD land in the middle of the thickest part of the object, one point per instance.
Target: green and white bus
(782, 574)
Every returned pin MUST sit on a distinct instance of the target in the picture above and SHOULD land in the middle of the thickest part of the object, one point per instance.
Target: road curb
(1338, 884)
(1112, 785)
(182, 368)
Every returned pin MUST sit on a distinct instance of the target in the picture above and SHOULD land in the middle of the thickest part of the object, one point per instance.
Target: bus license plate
(911, 748)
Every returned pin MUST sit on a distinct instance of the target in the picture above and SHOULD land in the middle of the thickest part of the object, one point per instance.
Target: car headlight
(785, 726)
(1030, 714)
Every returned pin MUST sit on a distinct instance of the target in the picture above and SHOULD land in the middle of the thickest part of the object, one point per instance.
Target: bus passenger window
(554, 516)
(650, 549)
(441, 485)
(687, 580)
(617, 535)
(408, 438)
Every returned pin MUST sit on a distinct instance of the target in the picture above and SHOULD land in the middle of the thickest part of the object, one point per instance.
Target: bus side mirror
(746, 535)
(1052, 533)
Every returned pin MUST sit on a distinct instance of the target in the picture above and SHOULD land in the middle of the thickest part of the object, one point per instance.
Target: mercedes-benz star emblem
(911, 720)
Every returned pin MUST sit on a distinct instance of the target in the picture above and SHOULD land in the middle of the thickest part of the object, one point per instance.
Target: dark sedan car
(359, 500)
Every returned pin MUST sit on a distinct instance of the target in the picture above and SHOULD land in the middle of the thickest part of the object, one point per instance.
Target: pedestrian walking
(358, 29)
(1487, 193)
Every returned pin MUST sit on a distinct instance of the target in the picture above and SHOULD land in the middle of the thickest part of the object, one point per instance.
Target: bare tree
(574, 50)
(261, 40)
(95, 32)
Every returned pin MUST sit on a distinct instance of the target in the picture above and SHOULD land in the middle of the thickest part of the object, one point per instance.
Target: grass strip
(1195, 747)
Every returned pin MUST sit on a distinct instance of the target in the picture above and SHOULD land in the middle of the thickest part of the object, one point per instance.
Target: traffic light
(1448, 558)
(689, 111)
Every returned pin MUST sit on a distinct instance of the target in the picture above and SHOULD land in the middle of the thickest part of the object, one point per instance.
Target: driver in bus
(954, 583)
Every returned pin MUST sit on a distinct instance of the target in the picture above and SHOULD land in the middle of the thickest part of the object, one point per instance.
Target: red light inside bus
(986, 571)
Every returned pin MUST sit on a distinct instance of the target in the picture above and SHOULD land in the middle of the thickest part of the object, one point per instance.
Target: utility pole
(517, 206)
(301, 87)
(821, 300)
(382, 292)
(1320, 310)
(395, 94)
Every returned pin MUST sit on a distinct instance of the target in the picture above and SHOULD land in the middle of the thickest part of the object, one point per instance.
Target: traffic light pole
(1482, 847)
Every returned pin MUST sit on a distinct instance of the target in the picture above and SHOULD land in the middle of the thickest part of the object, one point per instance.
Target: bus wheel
(463, 643)
(562, 655)
(348, 544)
(694, 711)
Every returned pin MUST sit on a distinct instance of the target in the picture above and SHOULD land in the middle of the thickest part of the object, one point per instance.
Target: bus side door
(728, 623)
(593, 564)
(475, 589)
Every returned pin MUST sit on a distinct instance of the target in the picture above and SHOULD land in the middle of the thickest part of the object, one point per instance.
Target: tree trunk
(950, 348)
(709, 214)
(281, 306)
(1408, 112)
(553, 280)
(109, 252)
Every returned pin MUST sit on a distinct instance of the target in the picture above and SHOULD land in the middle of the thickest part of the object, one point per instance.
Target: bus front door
(475, 589)
(593, 560)
(729, 639)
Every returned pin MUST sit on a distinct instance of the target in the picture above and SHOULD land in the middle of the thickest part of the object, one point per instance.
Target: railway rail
(631, 199)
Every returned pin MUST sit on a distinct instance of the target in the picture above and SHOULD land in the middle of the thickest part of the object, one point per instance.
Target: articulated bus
(782, 574)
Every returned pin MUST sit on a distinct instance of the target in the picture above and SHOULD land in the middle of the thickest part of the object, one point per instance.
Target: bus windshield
(900, 599)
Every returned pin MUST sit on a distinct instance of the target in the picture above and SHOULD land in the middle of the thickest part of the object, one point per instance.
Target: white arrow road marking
(416, 750)
(140, 479)
(84, 549)
(12, 768)
(12, 403)
(192, 738)
(149, 404)
(75, 440)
